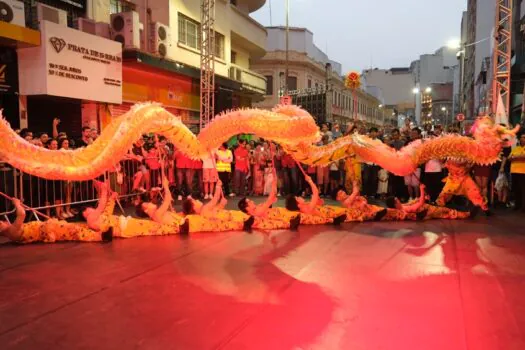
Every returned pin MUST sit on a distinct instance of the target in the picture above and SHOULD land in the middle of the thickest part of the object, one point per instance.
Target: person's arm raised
(355, 192)
(166, 203)
(412, 208)
(315, 194)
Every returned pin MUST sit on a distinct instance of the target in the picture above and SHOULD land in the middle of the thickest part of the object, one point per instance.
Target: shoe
(107, 236)
(179, 198)
(184, 229)
(380, 215)
(248, 224)
(420, 216)
(295, 222)
(488, 213)
(189, 197)
(232, 194)
(339, 220)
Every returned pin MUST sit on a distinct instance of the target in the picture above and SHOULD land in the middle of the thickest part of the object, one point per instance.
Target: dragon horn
(515, 130)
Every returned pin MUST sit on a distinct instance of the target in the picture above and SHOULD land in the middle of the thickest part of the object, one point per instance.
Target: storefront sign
(74, 64)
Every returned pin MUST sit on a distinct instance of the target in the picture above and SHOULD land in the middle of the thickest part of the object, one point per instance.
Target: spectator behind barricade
(44, 137)
(336, 131)
(63, 144)
(153, 162)
(405, 130)
(517, 170)
(434, 171)
(382, 187)
(93, 134)
(197, 172)
(323, 172)
(259, 164)
(135, 166)
(370, 171)
(397, 183)
(335, 176)
(277, 160)
(224, 166)
(209, 174)
(26, 134)
(412, 181)
(85, 140)
(351, 128)
(242, 163)
(325, 131)
(500, 177)
(290, 176)
(184, 174)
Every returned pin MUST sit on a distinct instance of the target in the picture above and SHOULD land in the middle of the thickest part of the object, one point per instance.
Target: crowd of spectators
(246, 167)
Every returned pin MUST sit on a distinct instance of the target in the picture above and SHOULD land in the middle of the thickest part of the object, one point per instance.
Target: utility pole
(287, 67)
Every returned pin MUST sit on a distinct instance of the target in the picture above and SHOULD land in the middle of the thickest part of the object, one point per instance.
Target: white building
(431, 69)
(308, 71)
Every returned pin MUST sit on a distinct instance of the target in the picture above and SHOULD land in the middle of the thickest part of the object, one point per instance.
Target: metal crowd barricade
(54, 197)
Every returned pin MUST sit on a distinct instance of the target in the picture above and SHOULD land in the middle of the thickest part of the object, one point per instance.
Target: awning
(16, 36)
(176, 67)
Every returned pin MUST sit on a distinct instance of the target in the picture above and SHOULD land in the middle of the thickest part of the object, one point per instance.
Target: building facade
(432, 69)
(310, 73)
(158, 58)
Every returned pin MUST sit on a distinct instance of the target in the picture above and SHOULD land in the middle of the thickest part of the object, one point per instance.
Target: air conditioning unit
(235, 73)
(51, 14)
(125, 28)
(159, 39)
(87, 25)
(12, 11)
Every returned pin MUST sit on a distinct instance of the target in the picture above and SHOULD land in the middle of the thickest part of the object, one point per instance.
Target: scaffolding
(501, 59)
(207, 47)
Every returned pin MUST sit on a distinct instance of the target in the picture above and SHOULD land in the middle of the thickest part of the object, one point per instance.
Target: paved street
(432, 285)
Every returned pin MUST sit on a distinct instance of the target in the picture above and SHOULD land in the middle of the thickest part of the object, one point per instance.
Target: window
(317, 85)
(219, 45)
(189, 32)
(116, 6)
(233, 57)
(292, 83)
(269, 85)
(309, 83)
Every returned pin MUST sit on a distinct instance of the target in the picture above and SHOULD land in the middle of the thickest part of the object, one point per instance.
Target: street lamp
(454, 44)
(415, 90)
(428, 90)
(382, 113)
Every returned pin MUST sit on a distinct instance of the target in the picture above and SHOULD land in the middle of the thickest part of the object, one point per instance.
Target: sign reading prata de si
(74, 64)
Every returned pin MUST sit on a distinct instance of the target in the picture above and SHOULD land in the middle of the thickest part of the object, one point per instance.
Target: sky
(371, 33)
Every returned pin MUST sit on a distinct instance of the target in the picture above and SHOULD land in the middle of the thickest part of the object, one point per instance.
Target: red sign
(460, 117)
(286, 100)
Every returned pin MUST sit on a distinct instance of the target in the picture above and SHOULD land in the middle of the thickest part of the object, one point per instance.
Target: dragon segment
(290, 126)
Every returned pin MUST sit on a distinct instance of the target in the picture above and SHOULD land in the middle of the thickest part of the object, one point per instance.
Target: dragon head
(486, 130)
